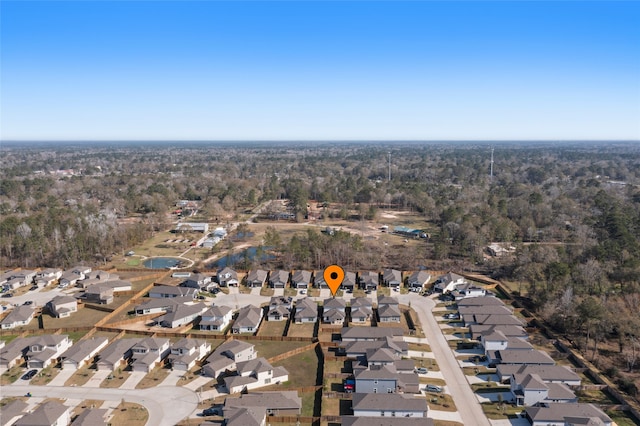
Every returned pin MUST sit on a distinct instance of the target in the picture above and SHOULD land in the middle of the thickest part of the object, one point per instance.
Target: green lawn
(302, 369)
(268, 349)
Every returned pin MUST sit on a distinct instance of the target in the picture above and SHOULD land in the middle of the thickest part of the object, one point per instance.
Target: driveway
(97, 378)
(61, 377)
(173, 378)
(166, 405)
(466, 402)
(133, 380)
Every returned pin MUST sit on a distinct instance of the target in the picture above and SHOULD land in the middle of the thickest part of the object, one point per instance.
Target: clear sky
(302, 70)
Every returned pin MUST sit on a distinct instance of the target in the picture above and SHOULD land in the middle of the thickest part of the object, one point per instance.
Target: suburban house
(216, 318)
(48, 413)
(19, 316)
(477, 330)
(251, 416)
(46, 349)
(384, 405)
(491, 319)
(560, 414)
(225, 357)
(306, 311)
(99, 294)
(12, 411)
(392, 278)
(47, 276)
(167, 291)
(418, 280)
(181, 315)
(468, 290)
(186, 352)
(300, 279)
(548, 373)
(530, 390)
(62, 306)
(370, 333)
(388, 309)
(279, 278)
(96, 277)
(253, 374)
(148, 353)
(361, 310)
(350, 281)
(160, 305)
(256, 278)
(12, 353)
(448, 282)
(279, 308)
(318, 280)
(116, 354)
(480, 301)
(17, 278)
(387, 421)
(197, 281)
(283, 403)
(92, 417)
(334, 311)
(360, 349)
(82, 352)
(248, 320)
(485, 310)
(369, 280)
(517, 356)
(192, 227)
(385, 379)
(227, 277)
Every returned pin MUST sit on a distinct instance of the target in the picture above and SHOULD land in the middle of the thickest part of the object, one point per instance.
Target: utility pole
(389, 166)
(491, 164)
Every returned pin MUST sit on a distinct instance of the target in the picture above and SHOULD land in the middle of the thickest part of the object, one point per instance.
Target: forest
(571, 210)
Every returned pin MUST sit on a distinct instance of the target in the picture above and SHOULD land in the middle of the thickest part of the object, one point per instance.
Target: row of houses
(51, 413)
(535, 380)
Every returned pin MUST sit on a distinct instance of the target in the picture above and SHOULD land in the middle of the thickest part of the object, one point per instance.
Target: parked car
(421, 370)
(29, 374)
(8, 295)
(303, 291)
(433, 388)
(452, 316)
(213, 411)
(28, 302)
(349, 385)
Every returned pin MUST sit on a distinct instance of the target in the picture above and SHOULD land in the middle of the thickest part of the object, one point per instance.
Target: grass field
(153, 378)
(268, 349)
(272, 328)
(119, 377)
(130, 414)
(12, 374)
(84, 317)
(301, 330)
(81, 376)
(302, 369)
(442, 402)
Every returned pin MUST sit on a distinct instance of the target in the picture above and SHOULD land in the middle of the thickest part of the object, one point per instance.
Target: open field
(269, 349)
(130, 414)
(272, 328)
(82, 318)
(301, 330)
(302, 369)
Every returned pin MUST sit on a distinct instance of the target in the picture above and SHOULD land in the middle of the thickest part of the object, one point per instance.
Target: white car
(303, 291)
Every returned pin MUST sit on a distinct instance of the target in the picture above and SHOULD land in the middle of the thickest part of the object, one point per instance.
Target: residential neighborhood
(377, 342)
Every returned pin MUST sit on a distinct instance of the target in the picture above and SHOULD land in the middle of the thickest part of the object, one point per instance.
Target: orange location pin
(333, 276)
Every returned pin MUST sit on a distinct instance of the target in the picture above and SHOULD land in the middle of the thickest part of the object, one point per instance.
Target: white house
(186, 352)
(181, 315)
(388, 405)
(19, 316)
(62, 306)
(47, 349)
(148, 353)
(216, 318)
(50, 413)
(83, 352)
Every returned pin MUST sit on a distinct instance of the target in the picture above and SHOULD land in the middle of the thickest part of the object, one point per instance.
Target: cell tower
(389, 166)
(491, 164)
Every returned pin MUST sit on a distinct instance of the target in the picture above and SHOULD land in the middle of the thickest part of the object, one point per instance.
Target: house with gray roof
(186, 352)
(12, 353)
(306, 311)
(248, 320)
(82, 352)
(468, 290)
(548, 373)
(253, 374)
(561, 414)
(279, 278)
(116, 354)
(369, 280)
(216, 318)
(478, 330)
(225, 357)
(62, 306)
(385, 379)
(97, 293)
(19, 316)
(358, 349)
(388, 405)
(148, 353)
(517, 356)
(47, 277)
(392, 277)
(160, 305)
(529, 389)
(361, 310)
(386, 421)
(257, 278)
(350, 281)
(50, 413)
(334, 311)
(480, 301)
(246, 416)
(300, 279)
(46, 349)
(279, 308)
(388, 309)
(181, 315)
(12, 411)
(283, 403)
(418, 280)
(318, 279)
(92, 417)
(227, 277)
(369, 333)
(167, 291)
(448, 282)
(197, 281)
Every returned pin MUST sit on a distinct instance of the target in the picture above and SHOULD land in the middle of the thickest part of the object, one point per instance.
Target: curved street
(167, 405)
(466, 402)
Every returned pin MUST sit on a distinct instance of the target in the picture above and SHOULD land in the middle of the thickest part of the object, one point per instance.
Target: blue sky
(301, 70)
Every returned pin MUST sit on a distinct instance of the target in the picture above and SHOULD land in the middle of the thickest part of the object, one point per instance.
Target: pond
(234, 259)
(163, 263)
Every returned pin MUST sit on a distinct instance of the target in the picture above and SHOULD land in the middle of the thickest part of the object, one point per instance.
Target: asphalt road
(167, 405)
(466, 402)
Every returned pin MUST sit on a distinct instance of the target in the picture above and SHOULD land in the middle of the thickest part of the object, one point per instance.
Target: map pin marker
(333, 276)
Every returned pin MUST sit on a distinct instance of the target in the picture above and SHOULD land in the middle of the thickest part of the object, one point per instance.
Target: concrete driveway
(97, 378)
(466, 402)
(167, 405)
(61, 377)
(133, 380)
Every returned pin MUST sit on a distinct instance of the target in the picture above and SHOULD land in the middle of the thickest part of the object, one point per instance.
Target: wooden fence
(292, 352)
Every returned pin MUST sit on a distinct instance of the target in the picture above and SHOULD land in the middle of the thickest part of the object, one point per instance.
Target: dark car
(29, 374)
(28, 302)
(213, 411)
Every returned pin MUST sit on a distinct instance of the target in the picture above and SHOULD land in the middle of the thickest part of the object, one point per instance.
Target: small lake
(162, 262)
(234, 259)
